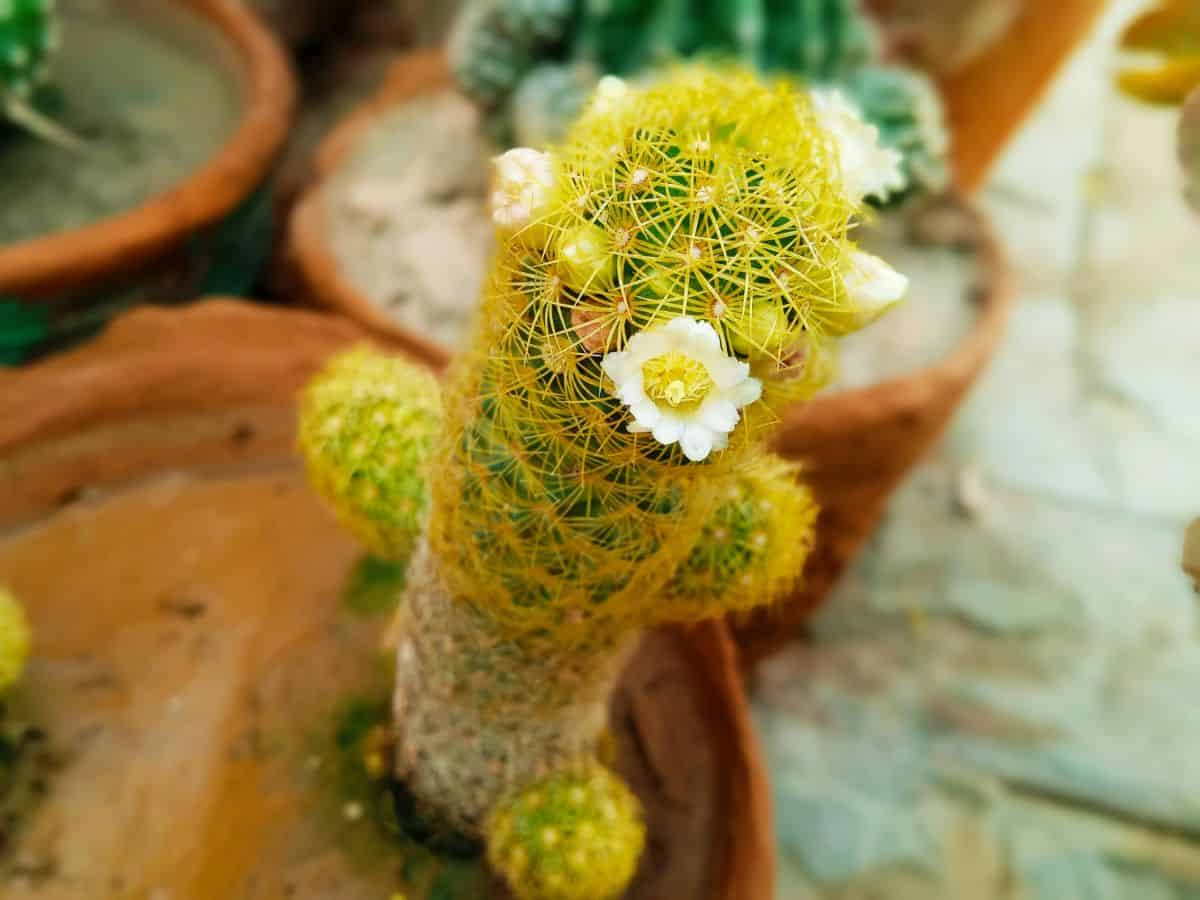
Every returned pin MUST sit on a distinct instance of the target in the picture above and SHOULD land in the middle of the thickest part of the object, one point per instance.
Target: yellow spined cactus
(368, 423)
(665, 279)
(14, 640)
(752, 549)
(575, 835)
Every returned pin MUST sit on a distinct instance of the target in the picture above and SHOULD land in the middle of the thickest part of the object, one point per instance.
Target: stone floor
(1002, 702)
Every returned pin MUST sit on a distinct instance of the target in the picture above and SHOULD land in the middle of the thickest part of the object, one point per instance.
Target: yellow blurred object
(1171, 31)
(1168, 85)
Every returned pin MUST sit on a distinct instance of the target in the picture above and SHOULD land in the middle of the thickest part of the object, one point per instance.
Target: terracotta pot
(144, 237)
(857, 446)
(988, 99)
(183, 587)
(322, 282)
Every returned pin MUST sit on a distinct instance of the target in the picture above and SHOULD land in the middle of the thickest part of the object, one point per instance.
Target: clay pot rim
(159, 365)
(852, 408)
(71, 258)
(413, 74)
(989, 98)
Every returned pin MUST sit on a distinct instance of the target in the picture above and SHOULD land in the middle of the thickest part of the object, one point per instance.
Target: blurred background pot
(858, 445)
(156, 525)
(182, 106)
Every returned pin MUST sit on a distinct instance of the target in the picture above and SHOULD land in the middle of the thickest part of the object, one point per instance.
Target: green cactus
(904, 105)
(549, 95)
(575, 835)
(28, 37)
(666, 280)
(529, 65)
(367, 426)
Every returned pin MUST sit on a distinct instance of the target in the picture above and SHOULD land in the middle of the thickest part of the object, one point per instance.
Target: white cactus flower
(868, 168)
(873, 287)
(681, 387)
(522, 188)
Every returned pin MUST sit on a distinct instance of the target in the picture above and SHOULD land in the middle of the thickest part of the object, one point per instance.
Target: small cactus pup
(668, 278)
(29, 37)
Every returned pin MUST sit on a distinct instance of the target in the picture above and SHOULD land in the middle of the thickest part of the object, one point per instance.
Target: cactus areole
(667, 278)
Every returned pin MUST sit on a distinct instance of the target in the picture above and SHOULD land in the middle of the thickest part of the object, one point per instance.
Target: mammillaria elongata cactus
(666, 280)
(531, 64)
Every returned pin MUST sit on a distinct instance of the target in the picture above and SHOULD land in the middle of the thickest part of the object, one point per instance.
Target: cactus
(575, 835)
(529, 65)
(548, 96)
(751, 547)
(666, 280)
(14, 640)
(366, 428)
(28, 36)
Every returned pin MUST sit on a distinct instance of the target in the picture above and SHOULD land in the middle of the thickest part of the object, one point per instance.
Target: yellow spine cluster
(367, 427)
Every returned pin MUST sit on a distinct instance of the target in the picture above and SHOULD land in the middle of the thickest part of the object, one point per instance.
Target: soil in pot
(407, 218)
(135, 80)
(209, 682)
(208, 661)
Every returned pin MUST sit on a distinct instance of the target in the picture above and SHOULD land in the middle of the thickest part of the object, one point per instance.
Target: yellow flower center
(677, 380)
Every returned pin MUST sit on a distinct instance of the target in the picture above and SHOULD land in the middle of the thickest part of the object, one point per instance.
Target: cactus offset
(575, 835)
(666, 280)
(366, 427)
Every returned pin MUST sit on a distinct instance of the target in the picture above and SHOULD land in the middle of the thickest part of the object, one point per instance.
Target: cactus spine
(666, 279)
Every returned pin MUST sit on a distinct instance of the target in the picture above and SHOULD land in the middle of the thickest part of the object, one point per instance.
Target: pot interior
(207, 668)
(154, 90)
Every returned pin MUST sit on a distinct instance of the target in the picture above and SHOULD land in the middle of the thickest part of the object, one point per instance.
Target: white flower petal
(668, 430)
(747, 392)
(646, 413)
(619, 366)
(697, 442)
(719, 414)
(868, 168)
